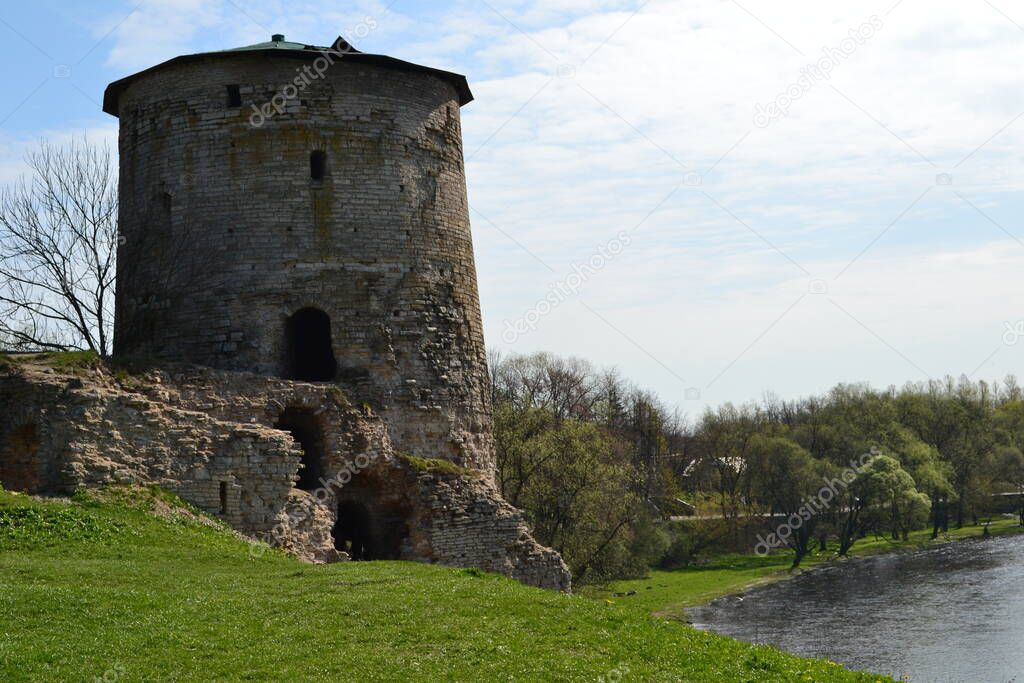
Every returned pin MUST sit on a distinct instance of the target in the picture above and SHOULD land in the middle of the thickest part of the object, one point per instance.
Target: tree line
(598, 465)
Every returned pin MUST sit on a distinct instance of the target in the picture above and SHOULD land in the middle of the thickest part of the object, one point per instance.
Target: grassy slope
(669, 593)
(88, 589)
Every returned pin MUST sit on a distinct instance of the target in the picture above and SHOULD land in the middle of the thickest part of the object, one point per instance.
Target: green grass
(99, 585)
(62, 361)
(667, 594)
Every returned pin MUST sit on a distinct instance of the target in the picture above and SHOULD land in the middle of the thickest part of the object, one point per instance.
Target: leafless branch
(58, 237)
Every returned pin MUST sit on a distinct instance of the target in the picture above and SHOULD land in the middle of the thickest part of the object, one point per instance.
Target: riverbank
(668, 593)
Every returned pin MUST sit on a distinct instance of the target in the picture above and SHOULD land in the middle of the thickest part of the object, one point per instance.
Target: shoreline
(833, 562)
(670, 593)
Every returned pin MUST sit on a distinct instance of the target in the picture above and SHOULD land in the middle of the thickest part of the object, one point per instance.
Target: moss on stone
(436, 465)
(62, 361)
(338, 396)
(125, 380)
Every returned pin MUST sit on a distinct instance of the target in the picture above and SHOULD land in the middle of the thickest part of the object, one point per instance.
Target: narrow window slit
(318, 165)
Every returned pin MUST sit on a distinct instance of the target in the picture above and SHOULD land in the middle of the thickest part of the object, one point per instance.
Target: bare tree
(58, 238)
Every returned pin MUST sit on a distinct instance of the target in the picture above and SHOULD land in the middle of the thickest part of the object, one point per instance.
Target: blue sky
(871, 232)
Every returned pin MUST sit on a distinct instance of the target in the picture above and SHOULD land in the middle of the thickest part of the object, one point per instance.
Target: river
(953, 614)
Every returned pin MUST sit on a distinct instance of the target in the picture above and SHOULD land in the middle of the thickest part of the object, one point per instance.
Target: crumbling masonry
(296, 262)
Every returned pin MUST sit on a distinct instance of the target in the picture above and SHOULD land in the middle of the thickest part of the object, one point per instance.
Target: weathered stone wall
(226, 235)
(209, 436)
(91, 432)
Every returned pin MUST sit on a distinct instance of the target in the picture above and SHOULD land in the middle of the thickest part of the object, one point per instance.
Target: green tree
(784, 479)
(1010, 470)
(724, 438)
(883, 495)
(578, 495)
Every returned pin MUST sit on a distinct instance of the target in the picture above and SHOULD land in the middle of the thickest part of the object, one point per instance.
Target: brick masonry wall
(209, 436)
(226, 235)
(91, 432)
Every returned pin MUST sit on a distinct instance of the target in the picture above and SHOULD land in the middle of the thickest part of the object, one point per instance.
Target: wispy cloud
(589, 113)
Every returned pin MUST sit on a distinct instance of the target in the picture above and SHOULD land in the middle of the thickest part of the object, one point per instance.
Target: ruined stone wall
(91, 432)
(454, 518)
(226, 235)
(209, 436)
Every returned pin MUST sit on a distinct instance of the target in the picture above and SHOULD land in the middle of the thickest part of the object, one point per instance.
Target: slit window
(223, 498)
(318, 165)
(234, 96)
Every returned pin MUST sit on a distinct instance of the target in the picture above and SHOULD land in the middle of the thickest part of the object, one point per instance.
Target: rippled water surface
(952, 614)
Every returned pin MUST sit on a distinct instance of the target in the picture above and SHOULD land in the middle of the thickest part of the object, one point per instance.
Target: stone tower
(295, 247)
(300, 212)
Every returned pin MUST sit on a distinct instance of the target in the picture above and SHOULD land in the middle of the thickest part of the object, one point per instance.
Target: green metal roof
(278, 46)
(277, 42)
(272, 45)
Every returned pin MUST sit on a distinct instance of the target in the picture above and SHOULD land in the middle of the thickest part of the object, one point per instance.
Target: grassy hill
(130, 585)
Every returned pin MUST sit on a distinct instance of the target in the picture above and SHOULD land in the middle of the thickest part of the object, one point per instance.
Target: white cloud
(13, 149)
(158, 30)
(564, 158)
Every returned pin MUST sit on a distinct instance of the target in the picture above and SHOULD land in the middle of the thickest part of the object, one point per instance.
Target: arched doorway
(304, 427)
(371, 524)
(309, 355)
(352, 533)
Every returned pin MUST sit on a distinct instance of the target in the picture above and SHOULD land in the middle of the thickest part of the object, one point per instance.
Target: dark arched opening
(370, 526)
(310, 357)
(352, 532)
(305, 429)
(19, 469)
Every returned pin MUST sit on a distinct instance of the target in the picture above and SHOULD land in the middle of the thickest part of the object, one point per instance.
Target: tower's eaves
(279, 47)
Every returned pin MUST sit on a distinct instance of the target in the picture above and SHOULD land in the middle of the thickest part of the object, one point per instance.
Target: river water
(953, 614)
